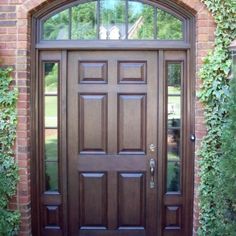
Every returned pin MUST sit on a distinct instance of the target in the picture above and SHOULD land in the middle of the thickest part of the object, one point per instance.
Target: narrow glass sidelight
(50, 104)
(174, 127)
(113, 20)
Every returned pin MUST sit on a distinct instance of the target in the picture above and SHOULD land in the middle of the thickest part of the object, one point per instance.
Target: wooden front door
(112, 141)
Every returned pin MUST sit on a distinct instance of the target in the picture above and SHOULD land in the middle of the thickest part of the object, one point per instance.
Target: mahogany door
(112, 143)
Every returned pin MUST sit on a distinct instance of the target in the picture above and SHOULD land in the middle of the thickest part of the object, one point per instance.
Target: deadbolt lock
(152, 148)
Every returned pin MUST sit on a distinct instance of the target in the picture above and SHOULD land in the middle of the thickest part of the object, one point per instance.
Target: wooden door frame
(188, 45)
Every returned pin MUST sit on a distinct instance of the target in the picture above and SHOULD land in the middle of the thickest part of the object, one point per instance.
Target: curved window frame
(164, 7)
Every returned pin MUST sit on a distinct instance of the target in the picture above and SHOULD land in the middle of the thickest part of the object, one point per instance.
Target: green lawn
(51, 159)
(51, 111)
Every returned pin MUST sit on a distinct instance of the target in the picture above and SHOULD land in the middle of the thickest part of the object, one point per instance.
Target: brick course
(15, 51)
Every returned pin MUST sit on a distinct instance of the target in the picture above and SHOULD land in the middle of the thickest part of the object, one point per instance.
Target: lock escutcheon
(152, 148)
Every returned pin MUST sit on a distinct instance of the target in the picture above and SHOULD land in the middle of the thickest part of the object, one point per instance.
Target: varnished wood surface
(111, 125)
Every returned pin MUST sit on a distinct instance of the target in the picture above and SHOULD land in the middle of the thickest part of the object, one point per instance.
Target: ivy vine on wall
(214, 95)
(9, 220)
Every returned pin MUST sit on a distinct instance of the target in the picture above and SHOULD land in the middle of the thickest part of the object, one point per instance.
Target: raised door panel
(132, 72)
(173, 217)
(132, 123)
(131, 197)
(52, 217)
(93, 200)
(93, 72)
(93, 123)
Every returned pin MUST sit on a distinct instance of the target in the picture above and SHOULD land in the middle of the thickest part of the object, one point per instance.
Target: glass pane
(51, 111)
(84, 17)
(173, 123)
(112, 19)
(51, 176)
(168, 26)
(173, 160)
(141, 21)
(173, 176)
(173, 141)
(174, 107)
(51, 145)
(174, 78)
(57, 26)
(174, 146)
(51, 77)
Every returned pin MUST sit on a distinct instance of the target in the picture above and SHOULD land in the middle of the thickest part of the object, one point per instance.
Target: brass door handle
(152, 165)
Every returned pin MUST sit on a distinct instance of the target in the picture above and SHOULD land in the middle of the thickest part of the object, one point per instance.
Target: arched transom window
(112, 20)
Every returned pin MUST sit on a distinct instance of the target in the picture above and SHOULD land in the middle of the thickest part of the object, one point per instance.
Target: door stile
(63, 135)
(152, 129)
(72, 150)
(112, 146)
(190, 145)
(35, 189)
(160, 154)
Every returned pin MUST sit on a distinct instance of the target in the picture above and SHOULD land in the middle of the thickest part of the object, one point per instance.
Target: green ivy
(214, 95)
(9, 220)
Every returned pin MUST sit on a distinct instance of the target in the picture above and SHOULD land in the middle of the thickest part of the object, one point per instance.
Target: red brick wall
(15, 51)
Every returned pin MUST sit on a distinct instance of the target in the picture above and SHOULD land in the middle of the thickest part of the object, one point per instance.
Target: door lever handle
(152, 165)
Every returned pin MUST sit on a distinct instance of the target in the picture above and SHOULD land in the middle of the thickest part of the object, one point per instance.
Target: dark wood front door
(112, 115)
(114, 139)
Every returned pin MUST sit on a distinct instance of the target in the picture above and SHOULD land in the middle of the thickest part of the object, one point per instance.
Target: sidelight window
(174, 132)
(51, 126)
(113, 20)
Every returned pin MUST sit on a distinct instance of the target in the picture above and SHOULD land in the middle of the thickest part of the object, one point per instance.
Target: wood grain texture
(93, 72)
(132, 72)
(93, 126)
(132, 123)
(93, 200)
(131, 197)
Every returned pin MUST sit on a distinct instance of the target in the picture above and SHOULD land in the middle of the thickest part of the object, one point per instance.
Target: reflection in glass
(168, 26)
(173, 123)
(51, 112)
(51, 77)
(112, 19)
(173, 144)
(51, 176)
(57, 26)
(174, 107)
(51, 145)
(173, 176)
(174, 78)
(115, 19)
(84, 25)
(141, 21)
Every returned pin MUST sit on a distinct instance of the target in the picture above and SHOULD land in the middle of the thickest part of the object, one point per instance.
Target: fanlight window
(112, 20)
